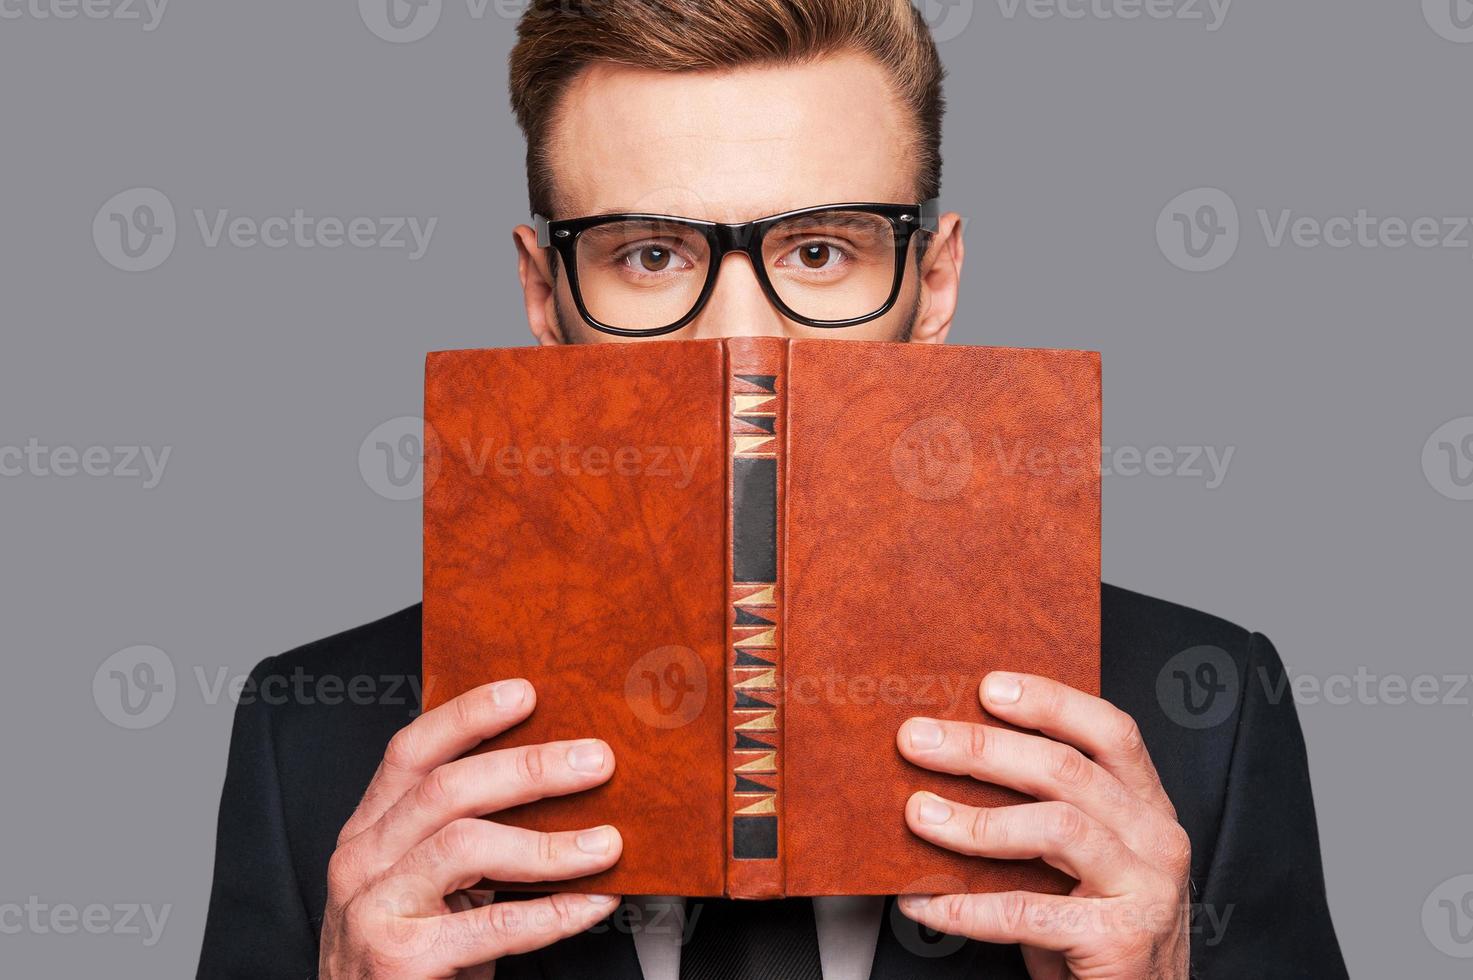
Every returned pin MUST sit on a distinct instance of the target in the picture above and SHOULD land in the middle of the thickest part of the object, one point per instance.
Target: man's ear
(539, 288)
(941, 279)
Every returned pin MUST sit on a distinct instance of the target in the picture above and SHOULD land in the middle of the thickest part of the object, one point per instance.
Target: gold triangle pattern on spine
(754, 656)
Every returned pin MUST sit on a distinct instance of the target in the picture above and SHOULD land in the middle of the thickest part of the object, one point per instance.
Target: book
(744, 563)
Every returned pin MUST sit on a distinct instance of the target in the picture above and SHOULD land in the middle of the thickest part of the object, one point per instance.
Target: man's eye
(816, 256)
(653, 259)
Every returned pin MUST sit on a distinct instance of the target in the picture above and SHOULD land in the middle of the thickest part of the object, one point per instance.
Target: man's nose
(738, 307)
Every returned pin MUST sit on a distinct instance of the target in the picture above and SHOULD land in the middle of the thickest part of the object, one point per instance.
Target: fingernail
(933, 809)
(509, 694)
(1003, 690)
(587, 757)
(602, 899)
(594, 841)
(914, 903)
(925, 735)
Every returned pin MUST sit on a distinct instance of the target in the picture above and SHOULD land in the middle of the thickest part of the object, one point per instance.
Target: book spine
(757, 433)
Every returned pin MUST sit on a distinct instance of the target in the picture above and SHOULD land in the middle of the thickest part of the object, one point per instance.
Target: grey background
(264, 370)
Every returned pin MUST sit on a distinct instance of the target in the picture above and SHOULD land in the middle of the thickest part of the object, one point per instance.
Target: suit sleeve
(1263, 911)
(257, 926)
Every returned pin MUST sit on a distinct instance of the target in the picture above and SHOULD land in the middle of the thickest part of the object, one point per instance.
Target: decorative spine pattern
(755, 626)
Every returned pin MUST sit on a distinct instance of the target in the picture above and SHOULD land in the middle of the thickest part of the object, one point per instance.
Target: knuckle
(341, 874)
(955, 912)
(531, 767)
(1066, 824)
(1070, 768)
(1012, 912)
(503, 922)
(984, 831)
(458, 840)
(977, 743)
(1127, 736)
(564, 911)
(1178, 849)
(465, 714)
(438, 790)
(349, 831)
(547, 849)
(403, 749)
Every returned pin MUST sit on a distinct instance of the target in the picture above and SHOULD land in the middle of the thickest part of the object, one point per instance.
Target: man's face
(735, 146)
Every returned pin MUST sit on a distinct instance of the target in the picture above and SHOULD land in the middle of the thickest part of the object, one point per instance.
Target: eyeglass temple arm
(930, 217)
(544, 232)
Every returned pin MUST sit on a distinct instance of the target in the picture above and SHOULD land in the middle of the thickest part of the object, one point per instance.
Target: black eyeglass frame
(723, 239)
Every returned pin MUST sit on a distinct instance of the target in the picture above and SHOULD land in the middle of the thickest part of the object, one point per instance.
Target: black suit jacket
(304, 748)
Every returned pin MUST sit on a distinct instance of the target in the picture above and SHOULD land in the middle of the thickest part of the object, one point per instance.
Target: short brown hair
(557, 39)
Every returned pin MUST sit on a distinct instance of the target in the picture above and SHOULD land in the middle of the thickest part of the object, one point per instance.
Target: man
(349, 835)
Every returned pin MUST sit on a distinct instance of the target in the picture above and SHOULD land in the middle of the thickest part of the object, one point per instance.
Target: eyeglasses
(645, 275)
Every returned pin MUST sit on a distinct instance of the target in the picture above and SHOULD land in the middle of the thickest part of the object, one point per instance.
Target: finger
(1058, 833)
(1056, 923)
(481, 785)
(468, 939)
(435, 738)
(467, 851)
(1092, 725)
(1044, 769)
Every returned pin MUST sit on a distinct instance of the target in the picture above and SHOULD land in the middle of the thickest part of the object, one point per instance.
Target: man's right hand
(396, 906)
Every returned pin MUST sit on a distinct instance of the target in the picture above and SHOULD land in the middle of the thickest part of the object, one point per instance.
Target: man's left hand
(1102, 817)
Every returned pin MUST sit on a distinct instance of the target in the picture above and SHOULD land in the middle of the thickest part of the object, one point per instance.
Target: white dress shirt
(848, 929)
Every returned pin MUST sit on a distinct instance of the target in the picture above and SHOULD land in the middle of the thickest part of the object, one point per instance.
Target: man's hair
(558, 39)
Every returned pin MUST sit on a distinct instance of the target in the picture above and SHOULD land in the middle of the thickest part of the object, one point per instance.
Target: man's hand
(395, 900)
(1102, 817)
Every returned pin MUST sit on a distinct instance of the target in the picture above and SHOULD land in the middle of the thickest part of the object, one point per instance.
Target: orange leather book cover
(744, 564)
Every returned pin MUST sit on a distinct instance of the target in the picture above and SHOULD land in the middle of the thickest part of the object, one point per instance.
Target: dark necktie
(751, 941)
